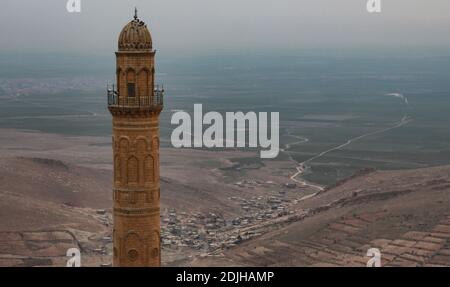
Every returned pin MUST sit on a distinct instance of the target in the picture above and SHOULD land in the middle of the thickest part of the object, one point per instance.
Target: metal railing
(154, 101)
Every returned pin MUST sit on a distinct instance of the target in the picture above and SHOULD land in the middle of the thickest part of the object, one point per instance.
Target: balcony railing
(154, 101)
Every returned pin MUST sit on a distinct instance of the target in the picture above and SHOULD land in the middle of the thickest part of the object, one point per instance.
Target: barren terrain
(405, 214)
(51, 183)
(218, 208)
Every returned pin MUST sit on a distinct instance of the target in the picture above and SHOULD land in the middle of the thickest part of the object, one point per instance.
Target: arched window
(124, 145)
(143, 80)
(131, 83)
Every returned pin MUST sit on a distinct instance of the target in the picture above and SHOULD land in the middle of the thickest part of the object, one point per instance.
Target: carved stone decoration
(155, 144)
(142, 145)
(132, 246)
(135, 36)
(155, 252)
(135, 111)
(117, 169)
(133, 255)
(132, 170)
(149, 169)
(124, 145)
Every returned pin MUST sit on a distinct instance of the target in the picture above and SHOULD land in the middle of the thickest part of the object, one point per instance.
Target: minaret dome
(135, 36)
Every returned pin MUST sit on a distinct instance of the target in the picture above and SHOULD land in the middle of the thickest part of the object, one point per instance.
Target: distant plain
(326, 97)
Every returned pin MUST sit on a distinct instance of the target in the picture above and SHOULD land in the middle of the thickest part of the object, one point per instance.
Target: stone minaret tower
(135, 104)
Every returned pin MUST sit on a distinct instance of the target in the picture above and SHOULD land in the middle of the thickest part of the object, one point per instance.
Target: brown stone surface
(136, 233)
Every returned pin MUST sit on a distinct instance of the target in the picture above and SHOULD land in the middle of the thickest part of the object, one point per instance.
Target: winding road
(302, 165)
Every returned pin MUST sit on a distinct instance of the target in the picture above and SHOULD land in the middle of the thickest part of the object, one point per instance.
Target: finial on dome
(135, 13)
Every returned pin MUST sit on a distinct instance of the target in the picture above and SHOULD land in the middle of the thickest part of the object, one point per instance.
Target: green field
(327, 99)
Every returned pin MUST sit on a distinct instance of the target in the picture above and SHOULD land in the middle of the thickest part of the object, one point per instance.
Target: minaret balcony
(124, 103)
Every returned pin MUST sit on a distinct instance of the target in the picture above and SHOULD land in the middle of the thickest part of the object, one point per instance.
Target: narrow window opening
(131, 89)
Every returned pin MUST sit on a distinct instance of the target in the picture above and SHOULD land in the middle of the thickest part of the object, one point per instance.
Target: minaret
(135, 104)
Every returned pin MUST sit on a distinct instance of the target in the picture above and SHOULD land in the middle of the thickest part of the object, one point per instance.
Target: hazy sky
(197, 25)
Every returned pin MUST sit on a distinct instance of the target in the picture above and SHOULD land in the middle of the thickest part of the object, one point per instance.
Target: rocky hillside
(405, 214)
